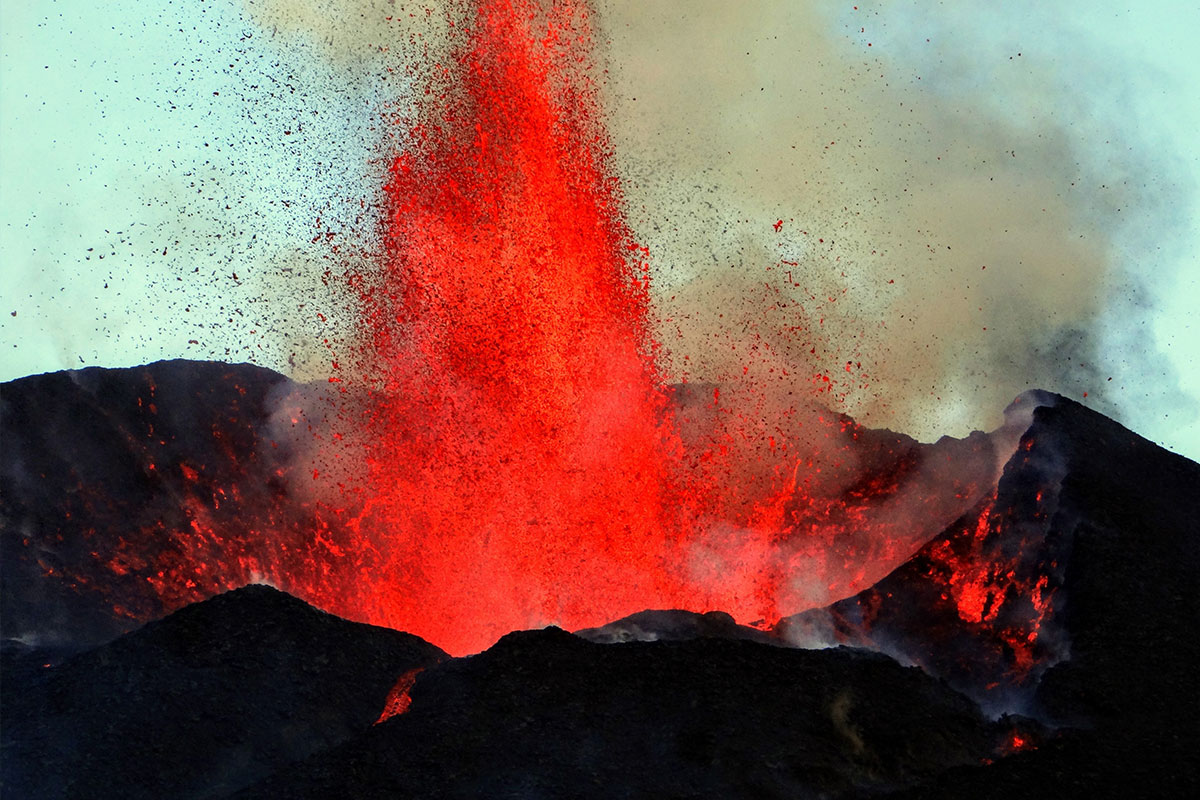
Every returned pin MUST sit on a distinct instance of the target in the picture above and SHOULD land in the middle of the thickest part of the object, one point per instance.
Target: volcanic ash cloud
(817, 207)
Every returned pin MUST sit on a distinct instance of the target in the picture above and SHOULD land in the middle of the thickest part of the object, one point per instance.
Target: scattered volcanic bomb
(496, 448)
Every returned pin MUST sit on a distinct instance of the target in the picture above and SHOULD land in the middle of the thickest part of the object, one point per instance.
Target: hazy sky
(167, 166)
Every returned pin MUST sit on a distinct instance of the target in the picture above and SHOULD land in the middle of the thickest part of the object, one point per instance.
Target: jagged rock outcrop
(94, 460)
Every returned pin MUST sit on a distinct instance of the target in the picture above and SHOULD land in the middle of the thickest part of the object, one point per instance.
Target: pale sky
(151, 152)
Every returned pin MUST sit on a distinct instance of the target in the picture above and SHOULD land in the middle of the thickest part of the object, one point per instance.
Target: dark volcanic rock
(93, 458)
(201, 703)
(673, 626)
(1092, 530)
(547, 714)
(1101, 525)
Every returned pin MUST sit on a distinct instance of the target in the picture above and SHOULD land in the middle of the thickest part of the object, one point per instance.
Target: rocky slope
(206, 701)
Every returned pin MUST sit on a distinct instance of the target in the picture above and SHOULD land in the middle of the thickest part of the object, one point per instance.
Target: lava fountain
(521, 462)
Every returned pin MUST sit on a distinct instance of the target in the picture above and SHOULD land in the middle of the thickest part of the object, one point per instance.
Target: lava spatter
(523, 463)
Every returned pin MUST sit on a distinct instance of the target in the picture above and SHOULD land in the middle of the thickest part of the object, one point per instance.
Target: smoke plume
(817, 208)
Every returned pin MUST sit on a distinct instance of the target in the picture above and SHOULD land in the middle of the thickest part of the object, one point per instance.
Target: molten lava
(521, 463)
(398, 699)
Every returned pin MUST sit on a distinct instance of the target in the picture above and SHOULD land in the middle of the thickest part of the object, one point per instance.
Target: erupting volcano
(498, 447)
